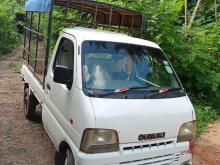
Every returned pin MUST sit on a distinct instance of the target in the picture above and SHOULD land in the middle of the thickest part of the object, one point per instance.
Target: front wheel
(30, 103)
(69, 160)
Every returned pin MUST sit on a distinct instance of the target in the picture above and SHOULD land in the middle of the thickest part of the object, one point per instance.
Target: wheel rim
(69, 160)
(66, 160)
(65, 163)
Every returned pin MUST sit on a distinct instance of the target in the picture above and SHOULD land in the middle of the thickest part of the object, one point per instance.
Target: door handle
(48, 86)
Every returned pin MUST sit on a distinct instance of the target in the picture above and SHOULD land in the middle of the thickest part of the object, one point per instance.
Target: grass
(205, 114)
(16, 67)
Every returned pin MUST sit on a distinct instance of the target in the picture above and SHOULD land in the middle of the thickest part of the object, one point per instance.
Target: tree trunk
(186, 12)
(194, 14)
(216, 13)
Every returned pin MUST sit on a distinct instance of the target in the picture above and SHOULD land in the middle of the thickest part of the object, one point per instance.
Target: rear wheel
(30, 103)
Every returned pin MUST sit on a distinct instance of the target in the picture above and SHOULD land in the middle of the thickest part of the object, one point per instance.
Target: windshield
(109, 66)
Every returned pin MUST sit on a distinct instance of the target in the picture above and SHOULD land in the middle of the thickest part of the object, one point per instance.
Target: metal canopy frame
(103, 15)
(31, 32)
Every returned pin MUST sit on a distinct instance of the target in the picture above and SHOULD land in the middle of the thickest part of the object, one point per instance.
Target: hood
(131, 117)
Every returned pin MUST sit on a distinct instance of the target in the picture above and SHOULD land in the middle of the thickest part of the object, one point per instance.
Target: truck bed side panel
(34, 84)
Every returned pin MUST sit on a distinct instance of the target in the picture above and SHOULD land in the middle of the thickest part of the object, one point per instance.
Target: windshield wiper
(162, 91)
(117, 91)
(125, 89)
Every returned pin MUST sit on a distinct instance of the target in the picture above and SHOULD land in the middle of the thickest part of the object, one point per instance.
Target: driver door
(59, 95)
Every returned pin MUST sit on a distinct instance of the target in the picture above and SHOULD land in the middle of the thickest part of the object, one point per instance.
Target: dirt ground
(207, 147)
(23, 142)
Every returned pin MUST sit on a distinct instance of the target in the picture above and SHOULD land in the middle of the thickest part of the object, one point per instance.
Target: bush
(8, 36)
(204, 114)
(197, 63)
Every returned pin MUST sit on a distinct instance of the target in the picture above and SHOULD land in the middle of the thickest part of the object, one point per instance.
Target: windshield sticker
(104, 56)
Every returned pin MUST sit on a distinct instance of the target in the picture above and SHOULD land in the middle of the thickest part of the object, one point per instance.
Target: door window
(65, 55)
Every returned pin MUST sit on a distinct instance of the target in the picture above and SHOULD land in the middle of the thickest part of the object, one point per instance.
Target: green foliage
(205, 114)
(198, 66)
(8, 35)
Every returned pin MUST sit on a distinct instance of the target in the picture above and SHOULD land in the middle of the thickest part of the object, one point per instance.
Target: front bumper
(156, 153)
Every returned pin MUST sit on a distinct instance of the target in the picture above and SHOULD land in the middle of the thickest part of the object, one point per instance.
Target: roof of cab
(99, 35)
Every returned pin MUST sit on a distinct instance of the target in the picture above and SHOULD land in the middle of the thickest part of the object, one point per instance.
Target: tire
(69, 159)
(30, 103)
(59, 158)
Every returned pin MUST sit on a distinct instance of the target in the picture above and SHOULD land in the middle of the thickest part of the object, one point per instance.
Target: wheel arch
(63, 147)
(60, 154)
(26, 85)
(35, 99)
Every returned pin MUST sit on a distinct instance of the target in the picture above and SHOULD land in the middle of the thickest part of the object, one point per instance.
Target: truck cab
(114, 99)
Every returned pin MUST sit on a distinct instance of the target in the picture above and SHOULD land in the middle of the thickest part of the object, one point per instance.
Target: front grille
(149, 146)
(160, 160)
(177, 157)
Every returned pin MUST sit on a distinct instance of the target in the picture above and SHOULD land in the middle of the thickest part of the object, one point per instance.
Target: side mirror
(63, 75)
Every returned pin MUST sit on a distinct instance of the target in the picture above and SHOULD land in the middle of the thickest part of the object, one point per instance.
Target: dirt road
(23, 142)
(207, 148)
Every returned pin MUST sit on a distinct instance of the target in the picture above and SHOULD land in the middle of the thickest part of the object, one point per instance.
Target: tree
(8, 36)
(186, 12)
(194, 14)
(216, 13)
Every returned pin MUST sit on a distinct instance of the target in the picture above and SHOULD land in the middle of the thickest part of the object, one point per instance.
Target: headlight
(99, 141)
(187, 132)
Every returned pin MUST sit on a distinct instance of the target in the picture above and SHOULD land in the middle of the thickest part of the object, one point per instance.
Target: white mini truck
(111, 99)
